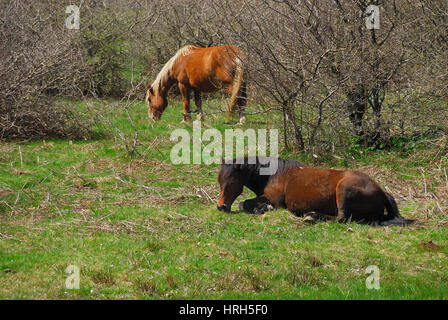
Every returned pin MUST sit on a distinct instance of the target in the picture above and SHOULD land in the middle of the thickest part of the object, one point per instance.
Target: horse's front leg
(198, 102)
(317, 216)
(258, 205)
(185, 92)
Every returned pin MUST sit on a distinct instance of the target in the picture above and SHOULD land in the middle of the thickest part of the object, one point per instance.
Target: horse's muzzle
(224, 208)
(154, 116)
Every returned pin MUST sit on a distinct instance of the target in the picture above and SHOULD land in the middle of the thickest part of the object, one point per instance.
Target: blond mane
(163, 75)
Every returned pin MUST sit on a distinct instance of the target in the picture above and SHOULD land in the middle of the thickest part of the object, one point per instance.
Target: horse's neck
(171, 79)
(165, 88)
(256, 182)
(165, 80)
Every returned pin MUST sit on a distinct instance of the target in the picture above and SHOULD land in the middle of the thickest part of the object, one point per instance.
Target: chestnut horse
(339, 195)
(199, 70)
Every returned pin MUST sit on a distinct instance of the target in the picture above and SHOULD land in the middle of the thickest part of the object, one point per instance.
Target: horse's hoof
(186, 120)
(308, 219)
(200, 117)
(242, 120)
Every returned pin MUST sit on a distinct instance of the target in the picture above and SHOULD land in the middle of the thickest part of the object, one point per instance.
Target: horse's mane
(162, 77)
(252, 165)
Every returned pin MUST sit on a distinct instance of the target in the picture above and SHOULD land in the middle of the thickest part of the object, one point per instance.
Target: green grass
(143, 228)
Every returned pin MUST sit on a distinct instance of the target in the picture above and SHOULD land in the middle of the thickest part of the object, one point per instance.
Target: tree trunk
(356, 106)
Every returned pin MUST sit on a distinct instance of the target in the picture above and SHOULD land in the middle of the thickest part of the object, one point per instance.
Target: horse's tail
(393, 216)
(237, 80)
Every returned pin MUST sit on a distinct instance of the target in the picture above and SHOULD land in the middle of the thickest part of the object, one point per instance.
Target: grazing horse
(199, 70)
(339, 195)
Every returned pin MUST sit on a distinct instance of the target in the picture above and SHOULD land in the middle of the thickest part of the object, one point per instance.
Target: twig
(21, 156)
(12, 209)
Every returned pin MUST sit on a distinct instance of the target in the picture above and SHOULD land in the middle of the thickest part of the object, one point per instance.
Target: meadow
(140, 227)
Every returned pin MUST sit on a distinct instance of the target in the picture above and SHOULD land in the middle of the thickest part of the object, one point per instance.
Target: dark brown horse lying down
(320, 193)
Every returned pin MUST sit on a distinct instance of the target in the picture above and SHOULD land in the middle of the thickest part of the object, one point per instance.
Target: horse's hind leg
(198, 102)
(258, 205)
(340, 201)
(344, 194)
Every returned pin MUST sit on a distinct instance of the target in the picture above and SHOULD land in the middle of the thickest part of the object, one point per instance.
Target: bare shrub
(38, 62)
(332, 81)
(336, 81)
(43, 63)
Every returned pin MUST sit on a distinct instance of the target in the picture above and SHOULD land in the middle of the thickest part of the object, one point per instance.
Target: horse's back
(305, 178)
(204, 68)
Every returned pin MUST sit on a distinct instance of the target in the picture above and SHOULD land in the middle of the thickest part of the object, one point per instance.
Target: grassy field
(142, 228)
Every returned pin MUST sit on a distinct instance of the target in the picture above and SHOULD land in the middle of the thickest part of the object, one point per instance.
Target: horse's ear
(149, 87)
(222, 160)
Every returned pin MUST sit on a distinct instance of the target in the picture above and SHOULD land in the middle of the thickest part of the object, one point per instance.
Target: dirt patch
(430, 246)
(4, 193)
(9, 271)
(22, 172)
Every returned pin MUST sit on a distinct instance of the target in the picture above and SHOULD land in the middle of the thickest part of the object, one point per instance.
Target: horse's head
(156, 102)
(231, 184)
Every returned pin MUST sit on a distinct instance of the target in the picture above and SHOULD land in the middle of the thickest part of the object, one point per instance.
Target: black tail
(393, 215)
